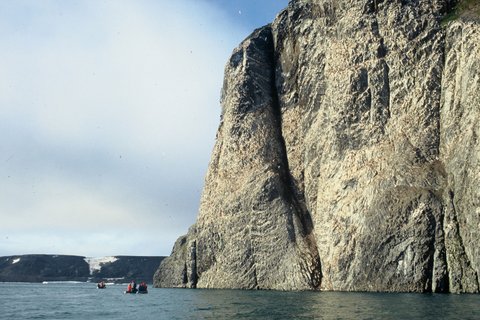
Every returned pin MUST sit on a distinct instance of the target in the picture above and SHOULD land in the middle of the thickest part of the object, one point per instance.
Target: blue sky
(108, 114)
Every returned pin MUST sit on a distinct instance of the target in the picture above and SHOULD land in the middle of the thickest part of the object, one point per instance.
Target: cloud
(108, 115)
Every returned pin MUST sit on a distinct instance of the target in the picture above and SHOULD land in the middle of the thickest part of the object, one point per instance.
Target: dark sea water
(85, 301)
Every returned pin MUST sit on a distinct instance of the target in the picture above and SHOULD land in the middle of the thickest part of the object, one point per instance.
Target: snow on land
(15, 260)
(96, 263)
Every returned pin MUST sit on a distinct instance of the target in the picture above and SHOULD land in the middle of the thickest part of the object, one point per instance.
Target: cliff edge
(347, 157)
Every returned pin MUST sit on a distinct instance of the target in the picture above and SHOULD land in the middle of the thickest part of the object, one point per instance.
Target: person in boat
(142, 288)
(132, 287)
(101, 285)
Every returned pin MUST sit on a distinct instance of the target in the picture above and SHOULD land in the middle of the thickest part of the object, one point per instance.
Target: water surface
(85, 301)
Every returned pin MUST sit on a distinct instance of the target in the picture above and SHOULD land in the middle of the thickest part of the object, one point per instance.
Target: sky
(108, 116)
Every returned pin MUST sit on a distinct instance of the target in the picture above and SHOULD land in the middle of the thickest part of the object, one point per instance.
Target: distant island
(46, 267)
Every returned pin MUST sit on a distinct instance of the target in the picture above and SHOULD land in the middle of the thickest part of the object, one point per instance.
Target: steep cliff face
(247, 192)
(347, 157)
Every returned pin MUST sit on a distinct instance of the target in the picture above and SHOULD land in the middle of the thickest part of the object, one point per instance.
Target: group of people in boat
(131, 288)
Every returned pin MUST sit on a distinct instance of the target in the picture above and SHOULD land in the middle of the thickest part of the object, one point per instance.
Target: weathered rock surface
(347, 157)
(460, 151)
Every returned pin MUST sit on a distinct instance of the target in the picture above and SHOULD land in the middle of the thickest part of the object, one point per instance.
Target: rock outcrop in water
(347, 156)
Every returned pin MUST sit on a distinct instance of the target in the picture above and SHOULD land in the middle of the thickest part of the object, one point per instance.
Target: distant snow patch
(95, 264)
(15, 260)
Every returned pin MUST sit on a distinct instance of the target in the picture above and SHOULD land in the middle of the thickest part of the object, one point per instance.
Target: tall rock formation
(347, 156)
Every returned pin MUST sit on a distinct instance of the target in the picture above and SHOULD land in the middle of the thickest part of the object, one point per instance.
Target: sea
(85, 301)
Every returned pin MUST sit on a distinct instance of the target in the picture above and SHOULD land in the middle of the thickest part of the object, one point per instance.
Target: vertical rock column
(251, 231)
(460, 151)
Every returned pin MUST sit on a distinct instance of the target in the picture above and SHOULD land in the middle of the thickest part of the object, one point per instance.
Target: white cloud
(108, 115)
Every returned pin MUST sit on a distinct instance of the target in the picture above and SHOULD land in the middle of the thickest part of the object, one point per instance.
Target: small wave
(57, 282)
(204, 308)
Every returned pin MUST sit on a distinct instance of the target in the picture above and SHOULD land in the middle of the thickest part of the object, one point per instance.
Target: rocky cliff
(43, 267)
(347, 156)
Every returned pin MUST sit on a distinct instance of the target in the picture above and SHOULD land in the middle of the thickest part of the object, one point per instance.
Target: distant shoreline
(39, 268)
